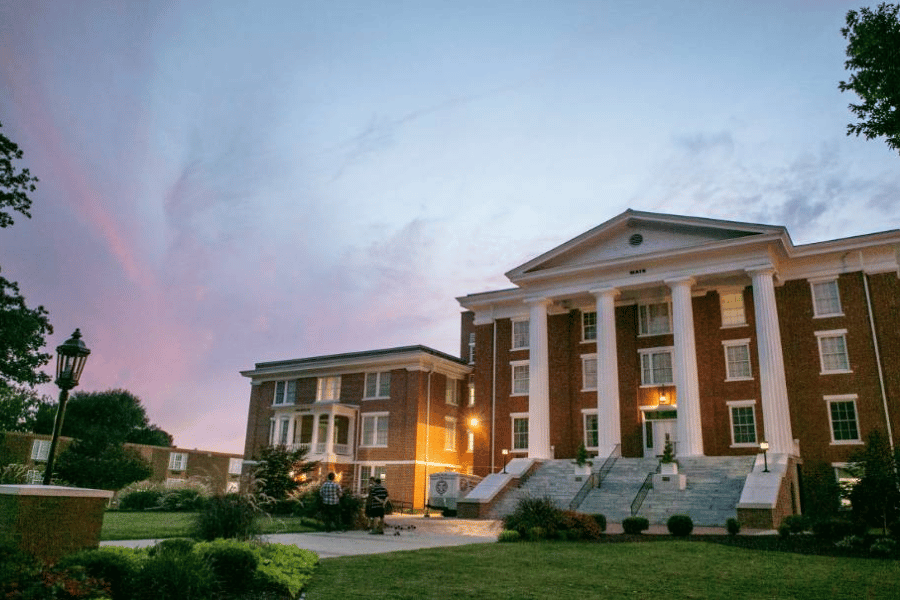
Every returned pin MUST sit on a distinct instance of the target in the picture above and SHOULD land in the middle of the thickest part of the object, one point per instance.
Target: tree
(875, 498)
(19, 407)
(281, 471)
(95, 464)
(821, 492)
(873, 58)
(14, 184)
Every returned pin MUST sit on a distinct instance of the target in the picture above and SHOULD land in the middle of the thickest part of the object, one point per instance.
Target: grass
(578, 570)
(143, 525)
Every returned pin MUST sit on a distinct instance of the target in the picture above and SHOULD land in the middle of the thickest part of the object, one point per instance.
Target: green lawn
(143, 525)
(561, 571)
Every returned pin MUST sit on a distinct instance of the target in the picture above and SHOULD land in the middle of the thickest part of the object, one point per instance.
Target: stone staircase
(712, 492)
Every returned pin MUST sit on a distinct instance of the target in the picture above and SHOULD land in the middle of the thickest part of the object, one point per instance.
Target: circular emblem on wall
(441, 487)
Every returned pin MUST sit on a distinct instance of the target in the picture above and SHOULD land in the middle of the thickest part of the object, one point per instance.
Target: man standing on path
(331, 503)
(375, 502)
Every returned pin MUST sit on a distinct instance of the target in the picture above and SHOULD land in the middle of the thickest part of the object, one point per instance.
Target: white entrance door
(656, 432)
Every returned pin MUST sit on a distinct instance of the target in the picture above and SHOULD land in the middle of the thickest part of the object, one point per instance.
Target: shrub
(601, 521)
(784, 530)
(852, 542)
(171, 573)
(733, 526)
(537, 533)
(140, 499)
(832, 529)
(233, 563)
(228, 516)
(635, 525)
(183, 499)
(117, 567)
(580, 526)
(283, 568)
(797, 523)
(352, 515)
(534, 512)
(509, 535)
(13, 474)
(883, 547)
(680, 525)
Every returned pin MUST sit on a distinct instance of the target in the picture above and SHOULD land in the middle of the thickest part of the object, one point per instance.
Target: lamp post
(70, 359)
(504, 452)
(764, 446)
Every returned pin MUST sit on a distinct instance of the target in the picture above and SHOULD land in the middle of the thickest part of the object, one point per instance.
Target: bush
(140, 499)
(797, 523)
(733, 526)
(283, 568)
(680, 525)
(233, 563)
(534, 512)
(13, 474)
(635, 525)
(832, 529)
(537, 533)
(173, 572)
(117, 567)
(580, 526)
(883, 547)
(183, 499)
(852, 542)
(509, 535)
(601, 521)
(784, 530)
(228, 516)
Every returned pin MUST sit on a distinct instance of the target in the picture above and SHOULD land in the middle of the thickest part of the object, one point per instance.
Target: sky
(224, 183)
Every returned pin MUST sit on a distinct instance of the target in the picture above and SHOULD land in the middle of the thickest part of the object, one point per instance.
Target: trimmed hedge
(635, 525)
(680, 525)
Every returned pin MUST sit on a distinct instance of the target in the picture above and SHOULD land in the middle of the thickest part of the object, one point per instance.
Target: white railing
(342, 449)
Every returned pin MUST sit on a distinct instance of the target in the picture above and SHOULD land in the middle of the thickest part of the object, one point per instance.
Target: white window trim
(585, 358)
(40, 450)
(178, 461)
(843, 398)
(378, 382)
(585, 413)
(377, 416)
(731, 344)
(451, 392)
(658, 350)
(812, 291)
(235, 465)
(512, 431)
(512, 372)
(831, 334)
(321, 388)
(450, 428)
(513, 334)
(653, 303)
(742, 404)
(471, 348)
(585, 340)
(282, 400)
(730, 292)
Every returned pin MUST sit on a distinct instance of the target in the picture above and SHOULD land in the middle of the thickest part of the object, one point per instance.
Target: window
(732, 305)
(178, 461)
(328, 389)
(470, 441)
(591, 438)
(845, 480)
(654, 319)
(40, 450)
(519, 378)
(367, 473)
(234, 466)
(283, 426)
(588, 372)
(743, 423)
(519, 431)
(737, 360)
(519, 334)
(449, 433)
(842, 413)
(471, 391)
(33, 477)
(656, 366)
(375, 430)
(826, 298)
(378, 385)
(471, 348)
(589, 326)
(285, 392)
(450, 392)
(833, 351)
(232, 487)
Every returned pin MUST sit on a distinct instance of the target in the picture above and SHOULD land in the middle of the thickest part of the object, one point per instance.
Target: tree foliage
(19, 407)
(281, 471)
(873, 59)
(97, 465)
(875, 498)
(14, 183)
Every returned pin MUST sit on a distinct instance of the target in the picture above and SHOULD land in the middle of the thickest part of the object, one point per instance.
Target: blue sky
(224, 183)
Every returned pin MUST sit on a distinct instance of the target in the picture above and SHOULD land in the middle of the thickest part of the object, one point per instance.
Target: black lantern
(70, 359)
(764, 446)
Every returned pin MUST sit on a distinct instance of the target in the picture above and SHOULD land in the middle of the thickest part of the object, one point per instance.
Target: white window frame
(512, 442)
(523, 388)
(232, 487)
(588, 321)
(588, 414)
(751, 404)
(451, 392)
(521, 339)
(843, 398)
(450, 434)
(820, 312)
(285, 392)
(328, 388)
(472, 348)
(178, 461)
(471, 391)
(374, 441)
(235, 465)
(729, 364)
(382, 385)
(40, 450)
(833, 334)
(645, 320)
(470, 441)
(733, 308)
(670, 350)
(589, 372)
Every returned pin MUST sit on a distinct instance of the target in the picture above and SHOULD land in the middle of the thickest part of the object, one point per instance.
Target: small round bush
(733, 526)
(680, 525)
(534, 512)
(140, 500)
(233, 563)
(580, 526)
(635, 525)
(509, 535)
(797, 523)
(170, 574)
(784, 530)
(601, 521)
(116, 566)
(883, 547)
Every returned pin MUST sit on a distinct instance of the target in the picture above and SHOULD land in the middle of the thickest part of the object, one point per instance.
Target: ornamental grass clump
(533, 513)
(229, 516)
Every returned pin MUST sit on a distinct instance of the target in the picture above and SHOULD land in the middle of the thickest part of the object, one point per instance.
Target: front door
(658, 427)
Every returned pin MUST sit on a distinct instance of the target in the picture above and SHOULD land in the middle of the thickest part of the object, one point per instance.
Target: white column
(773, 387)
(329, 442)
(688, 430)
(538, 382)
(609, 431)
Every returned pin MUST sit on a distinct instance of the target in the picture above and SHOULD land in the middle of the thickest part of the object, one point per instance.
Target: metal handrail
(583, 492)
(642, 493)
(607, 465)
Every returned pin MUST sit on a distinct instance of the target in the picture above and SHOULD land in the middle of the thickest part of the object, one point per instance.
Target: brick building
(399, 413)
(715, 335)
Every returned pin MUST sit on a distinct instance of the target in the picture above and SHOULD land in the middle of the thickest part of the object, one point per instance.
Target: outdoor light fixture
(473, 422)
(662, 398)
(764, 446)
(504, 452)
(70, 359)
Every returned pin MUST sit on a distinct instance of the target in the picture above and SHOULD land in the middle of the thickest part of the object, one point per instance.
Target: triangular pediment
(636, 234)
